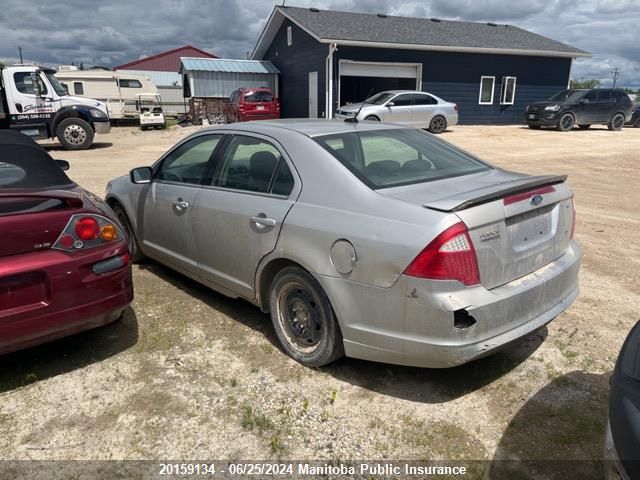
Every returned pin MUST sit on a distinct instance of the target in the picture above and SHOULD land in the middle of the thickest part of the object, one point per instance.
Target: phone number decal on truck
(33, 116)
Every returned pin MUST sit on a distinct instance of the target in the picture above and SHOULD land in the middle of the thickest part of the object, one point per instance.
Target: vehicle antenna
(354, 119)
(20, 50)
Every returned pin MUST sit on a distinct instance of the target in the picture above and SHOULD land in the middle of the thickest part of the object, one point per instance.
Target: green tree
(591, 83)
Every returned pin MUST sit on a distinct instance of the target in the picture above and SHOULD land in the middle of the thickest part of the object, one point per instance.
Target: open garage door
(359, 79)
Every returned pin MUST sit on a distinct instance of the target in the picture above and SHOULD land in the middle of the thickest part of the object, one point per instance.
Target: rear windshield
(22, 205)
(258, 96)
(390, 158)
(568, 95)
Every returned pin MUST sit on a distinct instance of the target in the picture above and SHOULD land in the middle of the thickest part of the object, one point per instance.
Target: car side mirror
(63, 164)
(141, 175)
(390, 104)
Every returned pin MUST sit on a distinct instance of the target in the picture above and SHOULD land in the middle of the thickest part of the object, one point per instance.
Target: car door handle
(180, 205)
(263, 222)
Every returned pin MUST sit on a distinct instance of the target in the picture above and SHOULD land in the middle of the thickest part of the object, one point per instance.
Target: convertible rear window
(391, 158)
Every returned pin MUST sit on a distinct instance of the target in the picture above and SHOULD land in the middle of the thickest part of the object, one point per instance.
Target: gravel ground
(189, 373)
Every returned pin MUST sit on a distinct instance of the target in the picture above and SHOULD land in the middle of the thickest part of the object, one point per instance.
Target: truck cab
(33, 101)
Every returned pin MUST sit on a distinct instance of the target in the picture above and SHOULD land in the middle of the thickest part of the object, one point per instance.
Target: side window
(424, 99)
(486, 90)
(402, 101)
(129, 83)
(78, 88)
(188, 163)
(283, 180)
(249, 164)
(508, 91)
(289, 36)
(606, 96)
(590, 97)
(24, 83)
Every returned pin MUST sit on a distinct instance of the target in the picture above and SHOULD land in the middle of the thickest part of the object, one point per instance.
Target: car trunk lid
(517, 223)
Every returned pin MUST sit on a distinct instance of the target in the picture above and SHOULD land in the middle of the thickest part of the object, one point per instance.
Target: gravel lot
(189, 373)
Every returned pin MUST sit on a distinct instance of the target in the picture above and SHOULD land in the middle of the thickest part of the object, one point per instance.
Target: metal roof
(166, 61)
(387, 31)
(226, 65)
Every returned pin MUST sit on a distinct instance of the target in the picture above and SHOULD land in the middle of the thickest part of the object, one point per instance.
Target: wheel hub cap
(75, 134)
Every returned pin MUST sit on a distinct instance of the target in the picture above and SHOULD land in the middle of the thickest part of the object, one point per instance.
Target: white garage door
(379, 69)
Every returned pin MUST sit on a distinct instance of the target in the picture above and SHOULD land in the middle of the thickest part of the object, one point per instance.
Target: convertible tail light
(573, 225)
(87, 231)
(449, 256)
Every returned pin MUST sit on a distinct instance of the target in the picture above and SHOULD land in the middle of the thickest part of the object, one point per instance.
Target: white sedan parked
(407, 107)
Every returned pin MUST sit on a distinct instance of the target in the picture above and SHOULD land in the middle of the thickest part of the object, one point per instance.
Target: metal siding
(294, 63)
(222, 84)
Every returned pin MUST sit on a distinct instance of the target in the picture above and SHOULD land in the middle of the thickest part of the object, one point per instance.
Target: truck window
(78, 88)
(24, 83)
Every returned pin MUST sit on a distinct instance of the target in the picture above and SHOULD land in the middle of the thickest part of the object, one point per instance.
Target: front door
(313, 94)
(237, 219)
(587, 111)
(167, 217)
(400, 111)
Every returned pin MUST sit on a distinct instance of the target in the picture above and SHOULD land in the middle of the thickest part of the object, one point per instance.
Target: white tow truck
(33, 101)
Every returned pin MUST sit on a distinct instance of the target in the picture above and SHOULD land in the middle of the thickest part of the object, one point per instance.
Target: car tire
(637, 125)
(566, 122)
(616, 123)
(584, 126)
(372, 118)
(438, 124)
(534, 127)
(75, 134)
(303, 319)
(132, 241)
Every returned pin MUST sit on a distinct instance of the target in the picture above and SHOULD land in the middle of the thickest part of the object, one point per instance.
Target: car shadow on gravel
(55, 147)
(558, 433)
(67, 354)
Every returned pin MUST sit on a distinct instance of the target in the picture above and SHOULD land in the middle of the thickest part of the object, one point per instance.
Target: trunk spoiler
(484, 195)
(72, 199)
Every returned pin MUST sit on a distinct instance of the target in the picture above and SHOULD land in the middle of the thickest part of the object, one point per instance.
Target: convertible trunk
(517, 223)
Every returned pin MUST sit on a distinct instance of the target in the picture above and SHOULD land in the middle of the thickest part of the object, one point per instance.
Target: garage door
(375, 69)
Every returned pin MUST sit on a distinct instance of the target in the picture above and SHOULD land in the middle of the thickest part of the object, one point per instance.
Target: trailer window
(24, 83)
(78, 88)
(129, 83)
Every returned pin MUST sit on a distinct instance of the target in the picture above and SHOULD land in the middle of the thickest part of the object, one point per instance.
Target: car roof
(305, 126)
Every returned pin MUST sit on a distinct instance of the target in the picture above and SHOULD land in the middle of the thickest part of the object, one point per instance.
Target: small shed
(209, 83)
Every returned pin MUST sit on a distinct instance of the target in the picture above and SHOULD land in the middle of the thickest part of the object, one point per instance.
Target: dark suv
(584, 108)
(635, 116)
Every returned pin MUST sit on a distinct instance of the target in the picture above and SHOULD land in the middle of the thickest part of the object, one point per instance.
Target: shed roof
(378, 30)
(226, 65)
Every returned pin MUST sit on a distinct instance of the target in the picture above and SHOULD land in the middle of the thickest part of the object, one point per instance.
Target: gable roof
(386, 31)
(165, 61)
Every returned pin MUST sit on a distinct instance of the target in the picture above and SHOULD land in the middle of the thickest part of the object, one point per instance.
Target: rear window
(11, 174)
(258, 96)
(23, 205)
(390, 158)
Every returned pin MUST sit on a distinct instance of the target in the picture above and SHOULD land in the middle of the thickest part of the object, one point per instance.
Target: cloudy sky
(114, 32)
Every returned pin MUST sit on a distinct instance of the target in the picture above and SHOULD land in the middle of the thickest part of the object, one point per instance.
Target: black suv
(635, 116)
(581, 107)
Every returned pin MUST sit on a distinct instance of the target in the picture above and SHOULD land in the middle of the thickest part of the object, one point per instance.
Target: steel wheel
(617, 122)
(438, 124)
(75, 134)
(303, 319)
(566, 122)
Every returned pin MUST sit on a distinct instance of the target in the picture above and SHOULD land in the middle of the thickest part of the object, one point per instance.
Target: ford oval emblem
(536, 200)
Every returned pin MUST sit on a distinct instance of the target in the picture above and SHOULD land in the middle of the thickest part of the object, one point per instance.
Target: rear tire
(637, 125)
(584, 127)
(438, 124)
(132, 240)
(566, 122)
(616, 123)
(303, 319)
(75, 134)
(372, 118)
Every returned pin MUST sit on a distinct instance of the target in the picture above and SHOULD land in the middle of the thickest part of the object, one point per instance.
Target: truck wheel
(75, 134)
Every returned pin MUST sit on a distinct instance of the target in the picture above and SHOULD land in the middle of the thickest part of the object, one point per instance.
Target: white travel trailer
(119, 91)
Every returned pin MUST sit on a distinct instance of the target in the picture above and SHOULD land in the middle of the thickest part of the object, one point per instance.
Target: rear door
(424, 106)
(167, 218)
(607, 105)
(237, 219)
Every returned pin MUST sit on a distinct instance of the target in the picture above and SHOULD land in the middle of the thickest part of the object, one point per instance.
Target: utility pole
(615, 76)
(20, 50)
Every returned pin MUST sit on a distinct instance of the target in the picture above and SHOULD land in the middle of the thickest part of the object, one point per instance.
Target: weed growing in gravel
(333, 396)
(233, 382)
(305, 405)
(252, 419)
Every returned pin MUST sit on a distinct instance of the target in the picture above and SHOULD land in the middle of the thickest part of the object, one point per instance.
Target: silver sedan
(372, 240)
(406, 107)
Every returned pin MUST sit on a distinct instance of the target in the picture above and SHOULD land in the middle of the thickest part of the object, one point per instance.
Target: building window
(289, 36)
(508, 91)
(78, 88)
(486, 90)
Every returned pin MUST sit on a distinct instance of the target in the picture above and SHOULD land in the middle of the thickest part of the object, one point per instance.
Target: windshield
(57, 86)
(379, 98)
(568, 95)
(390, 158)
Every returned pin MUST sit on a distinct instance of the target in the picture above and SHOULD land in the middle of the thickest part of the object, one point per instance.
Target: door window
(402, 100)
(249, 164)
(24, 83)
(590, 97)
(605, 96)
(424, 99)
(188, 163)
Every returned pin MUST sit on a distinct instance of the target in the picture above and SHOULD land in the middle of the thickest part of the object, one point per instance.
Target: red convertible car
(64, 262)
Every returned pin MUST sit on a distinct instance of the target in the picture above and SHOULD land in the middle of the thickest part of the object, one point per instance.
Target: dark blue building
(327, 59)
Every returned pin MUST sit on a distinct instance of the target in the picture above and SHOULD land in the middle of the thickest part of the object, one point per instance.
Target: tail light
(573, 225)
(87, 231)
(449, 256)
(455, 107)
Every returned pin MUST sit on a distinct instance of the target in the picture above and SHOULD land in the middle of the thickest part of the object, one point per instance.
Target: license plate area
(532, 116)
(530, 229)
(260, 107)
(23, 292)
